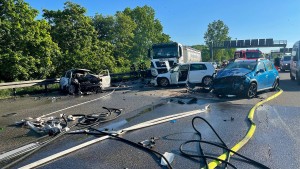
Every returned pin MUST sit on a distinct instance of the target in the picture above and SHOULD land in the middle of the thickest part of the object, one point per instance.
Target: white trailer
(166, 55)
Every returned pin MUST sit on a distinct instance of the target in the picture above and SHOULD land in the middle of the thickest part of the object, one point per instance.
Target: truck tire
(164, 82)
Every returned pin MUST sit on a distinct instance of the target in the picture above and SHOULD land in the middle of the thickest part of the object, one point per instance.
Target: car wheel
(207, 81)
(98, 90)
(291, 76)
(275, 85)
(252, 90)
(72, 89)
(163, 82)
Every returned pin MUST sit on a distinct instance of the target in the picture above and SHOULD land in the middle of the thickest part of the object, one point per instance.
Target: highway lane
(274, 143)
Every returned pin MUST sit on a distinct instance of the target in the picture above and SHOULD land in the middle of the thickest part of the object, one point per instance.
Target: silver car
(285, 63)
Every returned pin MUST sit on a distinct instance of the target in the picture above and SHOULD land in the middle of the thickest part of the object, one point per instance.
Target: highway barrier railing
(21, 84)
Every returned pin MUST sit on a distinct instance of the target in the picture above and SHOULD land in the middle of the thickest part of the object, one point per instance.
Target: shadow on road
(289, 85)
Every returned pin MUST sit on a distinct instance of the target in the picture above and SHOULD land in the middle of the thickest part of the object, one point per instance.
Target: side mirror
(260, 71)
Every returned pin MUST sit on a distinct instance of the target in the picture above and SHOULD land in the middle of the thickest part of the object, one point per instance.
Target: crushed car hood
(232, 72)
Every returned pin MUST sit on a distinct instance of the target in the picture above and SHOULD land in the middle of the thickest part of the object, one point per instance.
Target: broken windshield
(245, 65)
(165, 52)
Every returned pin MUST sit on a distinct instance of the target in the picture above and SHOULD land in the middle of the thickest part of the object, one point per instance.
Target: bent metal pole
(134, 127)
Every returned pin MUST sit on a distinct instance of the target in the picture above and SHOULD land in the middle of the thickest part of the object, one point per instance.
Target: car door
(105, 77)
(174, 75)
(261, 76)
(197, 72)
(271, 73)
(64, 81)
(183, 73)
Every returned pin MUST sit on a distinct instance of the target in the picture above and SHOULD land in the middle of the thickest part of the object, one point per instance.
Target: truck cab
(248, 54)
(165, 55)
(159, 67)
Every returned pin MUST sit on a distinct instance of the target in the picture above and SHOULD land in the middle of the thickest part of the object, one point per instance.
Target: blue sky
(186, 20)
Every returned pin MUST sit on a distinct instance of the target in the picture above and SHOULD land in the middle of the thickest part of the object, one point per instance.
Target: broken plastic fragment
(173, 121)
(169, 157)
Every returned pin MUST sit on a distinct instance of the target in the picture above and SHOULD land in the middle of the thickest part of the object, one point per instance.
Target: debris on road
(149, 143)
(231, 119)
(169, 157)
(192, 101)
(180, 102)
(173, 121)
(46, 125)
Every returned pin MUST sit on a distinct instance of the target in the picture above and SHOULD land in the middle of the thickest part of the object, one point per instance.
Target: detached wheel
(252, 91)
(72, 89)
(164, 82)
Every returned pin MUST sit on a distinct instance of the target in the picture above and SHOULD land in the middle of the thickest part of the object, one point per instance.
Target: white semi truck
(166, 55)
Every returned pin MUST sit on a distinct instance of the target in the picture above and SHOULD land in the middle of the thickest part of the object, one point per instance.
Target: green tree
(105, 27)
(148, 31)
(27, 50)
(118, 31)
(217, 32)
(76, 36)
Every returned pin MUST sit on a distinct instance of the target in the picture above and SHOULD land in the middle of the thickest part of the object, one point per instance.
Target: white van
(295, 62)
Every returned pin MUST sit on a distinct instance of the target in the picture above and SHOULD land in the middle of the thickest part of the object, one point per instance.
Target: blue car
(246, 78)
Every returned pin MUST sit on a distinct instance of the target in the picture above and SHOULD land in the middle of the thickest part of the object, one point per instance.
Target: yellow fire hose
(213, 164)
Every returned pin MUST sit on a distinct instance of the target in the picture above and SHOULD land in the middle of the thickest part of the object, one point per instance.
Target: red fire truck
(248, 54)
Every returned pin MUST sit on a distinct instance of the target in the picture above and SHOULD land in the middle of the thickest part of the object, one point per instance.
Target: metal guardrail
(45, 82)
(14, 85)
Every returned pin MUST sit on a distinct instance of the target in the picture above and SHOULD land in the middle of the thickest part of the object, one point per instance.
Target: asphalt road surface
(275, 142)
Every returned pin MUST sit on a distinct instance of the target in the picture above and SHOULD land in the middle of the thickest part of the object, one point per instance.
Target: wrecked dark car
(246, 78)
(83, 80)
